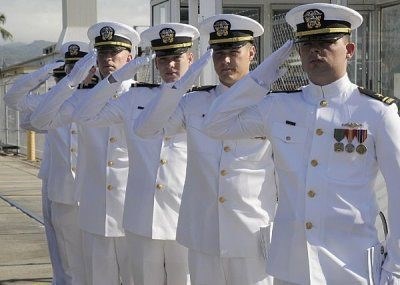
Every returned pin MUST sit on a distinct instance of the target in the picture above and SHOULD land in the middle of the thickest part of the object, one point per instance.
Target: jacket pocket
(199, 141)
(289, 146)
(254, 149)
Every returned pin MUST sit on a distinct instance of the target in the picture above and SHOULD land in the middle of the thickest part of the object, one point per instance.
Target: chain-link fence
(148, 71)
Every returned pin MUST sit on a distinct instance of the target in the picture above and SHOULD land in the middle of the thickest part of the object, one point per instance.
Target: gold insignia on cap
(222, 28)
(313, 18)
(167, 35)
(73, 49)
(107, 33)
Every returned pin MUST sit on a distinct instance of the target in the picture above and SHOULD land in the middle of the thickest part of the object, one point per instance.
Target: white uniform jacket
(102, 167)
(327, 207)
(157, 165)
(20, 98)
(61, 146)
(230, 189)
(43, 173)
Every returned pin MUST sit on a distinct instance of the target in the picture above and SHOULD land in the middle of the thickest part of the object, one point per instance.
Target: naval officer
(330, 138)
(102, 169)
(158, 165)
(229, 196)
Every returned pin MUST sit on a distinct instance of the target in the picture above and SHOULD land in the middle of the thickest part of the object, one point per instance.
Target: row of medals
(350, 134)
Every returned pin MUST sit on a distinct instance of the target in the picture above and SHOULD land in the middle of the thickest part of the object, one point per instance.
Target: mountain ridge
(16, 52)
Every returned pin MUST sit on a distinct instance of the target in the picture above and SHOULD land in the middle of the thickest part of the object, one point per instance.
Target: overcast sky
(30, 20)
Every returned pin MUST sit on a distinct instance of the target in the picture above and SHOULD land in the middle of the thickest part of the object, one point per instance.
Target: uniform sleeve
(28, 104)
(112, 112)
(14, 98)
(31, 102)
(237, 114)
(27, 83)
(164, 114)
(387, 144)
(93, 111)
(52, 112)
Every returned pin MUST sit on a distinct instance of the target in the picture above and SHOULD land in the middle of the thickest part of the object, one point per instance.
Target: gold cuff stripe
(323, 31)
(230, 40)
(183, 45)
(121, 44)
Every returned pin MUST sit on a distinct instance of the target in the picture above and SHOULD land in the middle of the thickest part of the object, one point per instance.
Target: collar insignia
(167, 35)
(222, 28)
(73, 49)
(313, 18)
(107, 33)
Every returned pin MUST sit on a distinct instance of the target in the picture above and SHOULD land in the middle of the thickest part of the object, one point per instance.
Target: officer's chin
(171, 78)
(106, 72)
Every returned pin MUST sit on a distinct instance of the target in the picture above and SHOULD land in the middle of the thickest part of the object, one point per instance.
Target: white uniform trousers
(215, 270)
(158, 262)
(107, 260)
(69, 240)
(59, 275)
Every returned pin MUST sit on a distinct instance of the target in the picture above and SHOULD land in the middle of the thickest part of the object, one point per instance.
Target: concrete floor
(24, 257)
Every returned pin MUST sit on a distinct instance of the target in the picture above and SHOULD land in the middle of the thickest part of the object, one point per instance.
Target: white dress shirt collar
(340, 88)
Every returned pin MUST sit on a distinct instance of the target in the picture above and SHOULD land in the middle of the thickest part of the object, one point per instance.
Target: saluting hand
(82, 68)
(42, 74)
(268, 71)
(129, 70)
(190, 76)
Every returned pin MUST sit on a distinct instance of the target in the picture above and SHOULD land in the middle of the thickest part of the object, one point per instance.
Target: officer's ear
(129, 57)
(350, 50)
(252, 52)
(190, 57)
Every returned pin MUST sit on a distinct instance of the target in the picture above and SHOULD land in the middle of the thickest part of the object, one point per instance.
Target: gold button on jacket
(323, 103)
(309, 225)
(227, 149)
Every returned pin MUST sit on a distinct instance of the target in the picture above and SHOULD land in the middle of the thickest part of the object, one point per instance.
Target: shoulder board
(284, 91)
(202, 88)
(95, 80)
(385, 99)
(143, 84)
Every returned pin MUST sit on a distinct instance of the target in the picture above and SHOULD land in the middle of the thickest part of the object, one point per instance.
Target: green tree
(6, 35)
